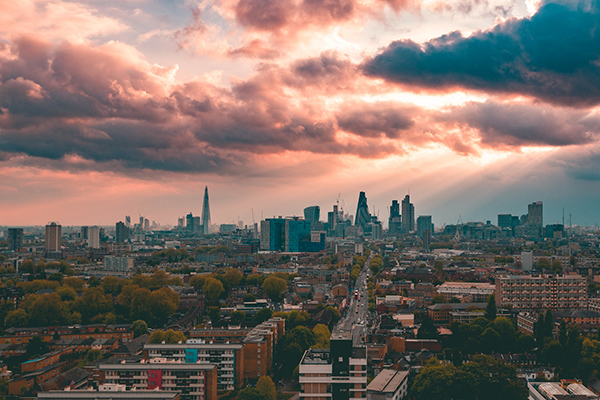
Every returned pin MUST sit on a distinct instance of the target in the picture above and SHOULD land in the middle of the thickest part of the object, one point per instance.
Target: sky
(132, 107)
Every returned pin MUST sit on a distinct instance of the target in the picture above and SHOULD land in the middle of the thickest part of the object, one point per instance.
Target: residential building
(389, 384)
(15, 239)
(93, 237)
(193, 381)
(229, 359)
(53, 237)
(118, 263)
(535, 292)
(337, 373)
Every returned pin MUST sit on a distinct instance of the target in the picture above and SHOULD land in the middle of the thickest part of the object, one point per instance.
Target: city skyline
(112, 108)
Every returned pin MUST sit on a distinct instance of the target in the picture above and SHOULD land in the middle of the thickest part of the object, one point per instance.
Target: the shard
(205, 213)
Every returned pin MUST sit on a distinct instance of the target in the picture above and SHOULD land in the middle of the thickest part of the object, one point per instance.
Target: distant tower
(53, 237)
(395, 221)
(312, 214)
(363, 217)
(408, 215)
(93, 237)
(205, 213)
(15, 239)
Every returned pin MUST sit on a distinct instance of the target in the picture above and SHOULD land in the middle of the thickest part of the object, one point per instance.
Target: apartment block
(535, 292)
(193, 381)
(338, 373)
(229, 359)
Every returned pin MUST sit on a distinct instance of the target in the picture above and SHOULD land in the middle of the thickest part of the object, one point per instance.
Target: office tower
(296, 231)
(363, 217)
(189, 222)
(312, 214)
(128, 221)
(83, 235)
(272, 234)
(535, 219)
(93, 237)
(180, 223)
(395, 221)
(53, 235)
(408, 215)
(122, 232)
(424, 224)
(504, 220)
(205, 213)
(15, 239)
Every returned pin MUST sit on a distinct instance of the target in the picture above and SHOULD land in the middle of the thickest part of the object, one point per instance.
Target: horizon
(111, 108)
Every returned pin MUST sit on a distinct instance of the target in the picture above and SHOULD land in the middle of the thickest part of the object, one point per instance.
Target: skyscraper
(395, 221)
(424, 224)
(15, 239)
(53, 237)
(312, 214)
(122, 232)
(93, 237)
(408, 215)
(363, 217)
(535, 219)
(205, 213)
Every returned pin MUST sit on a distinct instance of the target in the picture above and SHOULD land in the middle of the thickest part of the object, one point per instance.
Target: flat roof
(193, 346)
(94, 394)
(152, 365)
(388, 381)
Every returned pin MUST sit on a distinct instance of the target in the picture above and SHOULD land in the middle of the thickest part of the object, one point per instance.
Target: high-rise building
(53, 237)
(424, 224)
(122, 232)
(363, 217)
(395, 221)
(296, 231)
(15, 239)
(128, 221)
(93, 237)
(535, 219)
(205, 213)
(337, 373)
(272, 234)
(83, 235)
(408, 215)
(504, 220)
(312, 214)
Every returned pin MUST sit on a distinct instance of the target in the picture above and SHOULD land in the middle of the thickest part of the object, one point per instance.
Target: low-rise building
(389, 384)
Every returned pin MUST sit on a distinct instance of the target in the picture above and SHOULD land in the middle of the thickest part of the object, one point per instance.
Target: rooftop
(388, 381)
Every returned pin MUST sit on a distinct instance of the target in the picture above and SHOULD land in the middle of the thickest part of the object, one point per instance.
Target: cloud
(376, 120)
(521, 124)
(552, 56)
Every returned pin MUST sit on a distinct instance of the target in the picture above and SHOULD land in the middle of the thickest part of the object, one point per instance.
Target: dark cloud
(582, 164)
(264, 14)
(517, 124)
(553, 56)
(375, 120)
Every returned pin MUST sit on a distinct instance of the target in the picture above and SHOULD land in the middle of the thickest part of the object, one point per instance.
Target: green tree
(234, 276)
(266, 388)
(322, 336)
(274, 287)
(139, 327)
(169, 337)
(214, 313)
(36, 347)
(490, 309)
(92, 303)
(48, 309)
(237, 316)
(213, 289)
(543, 263)
(263, 315)
(17, 318)
(249, 297)
(557, 266)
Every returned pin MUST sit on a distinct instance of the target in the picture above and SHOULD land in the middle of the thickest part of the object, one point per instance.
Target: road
(355, 320)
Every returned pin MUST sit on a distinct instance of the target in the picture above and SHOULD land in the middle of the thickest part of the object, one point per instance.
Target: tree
(548, 323)
(234, 276)
(266, 388)
(17, 318)
(490, 309)
(292, 346)
(48, 309)
(249, 297)
(263, 315)
(214, 313)
(139, 327)
(169, 337)
(213, 289)
(557, 266)
(427, 330)
(438, 298)
(274, 287)
(543, 263)
(66, 293)
(92, 303)
(322, 336)
(36, 347)
(237, 316)
(562, 333)
(197, 281)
